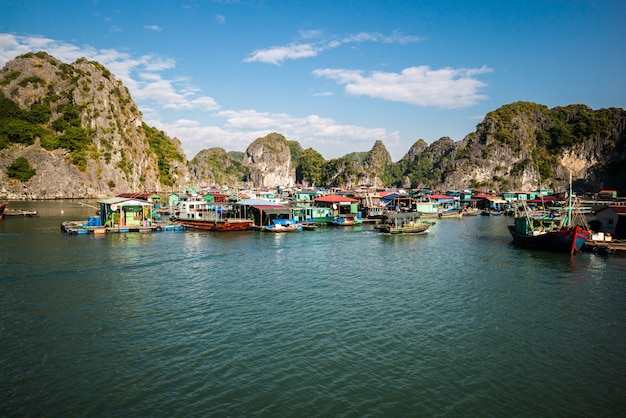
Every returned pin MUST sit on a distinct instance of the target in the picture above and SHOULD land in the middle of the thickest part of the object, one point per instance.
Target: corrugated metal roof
(333, 198)
(121, 201)
(266, 207)
(273, 209)
(440, 196)
(115, 199)
(256, 202)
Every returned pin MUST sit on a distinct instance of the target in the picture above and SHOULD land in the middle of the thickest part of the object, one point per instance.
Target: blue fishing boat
(282, 225)
(346, 221)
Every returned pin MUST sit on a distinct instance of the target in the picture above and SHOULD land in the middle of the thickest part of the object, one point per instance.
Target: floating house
(516, 196)
(429, 209)
(338, 205)
(125, 212)
(312, 213)
(612, 220)
(397, 202)
(445, 202)
(173, 200)
(262, 211)
(370, 205)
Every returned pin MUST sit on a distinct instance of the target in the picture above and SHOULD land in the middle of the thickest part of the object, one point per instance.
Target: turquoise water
(332, 322)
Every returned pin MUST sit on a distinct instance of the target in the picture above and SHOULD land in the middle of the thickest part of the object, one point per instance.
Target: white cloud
(142, 75)
(422, 86)
(231, 129)
(395, 38)
(155, 28)
(277, 54)
(308, 34)
(220, 18)
(242, 127)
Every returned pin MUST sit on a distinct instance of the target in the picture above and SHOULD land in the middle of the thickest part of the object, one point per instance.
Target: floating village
(541, 219)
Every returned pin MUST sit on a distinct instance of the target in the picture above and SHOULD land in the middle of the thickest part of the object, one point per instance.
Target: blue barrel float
(94, 221)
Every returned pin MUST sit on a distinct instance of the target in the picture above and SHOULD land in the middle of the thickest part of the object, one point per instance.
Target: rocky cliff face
(524, 145)
(91, 141)
(269, 162)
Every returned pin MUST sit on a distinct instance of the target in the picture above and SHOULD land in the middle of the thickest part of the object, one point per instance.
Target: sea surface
(333, 322)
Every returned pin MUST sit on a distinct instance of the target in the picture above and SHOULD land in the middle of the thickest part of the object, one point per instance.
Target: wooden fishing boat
(309, 225)
(548, 234)
(404, 223)
(216, 224)
(198, 214)
(551, 229)
(454, 213)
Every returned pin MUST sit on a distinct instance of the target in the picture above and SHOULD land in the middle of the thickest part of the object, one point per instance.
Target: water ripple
(331, 322)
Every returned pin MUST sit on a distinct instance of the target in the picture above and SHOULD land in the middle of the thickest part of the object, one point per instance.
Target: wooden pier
(605, 247)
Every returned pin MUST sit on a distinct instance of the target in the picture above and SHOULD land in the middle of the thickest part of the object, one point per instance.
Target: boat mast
(569, 201)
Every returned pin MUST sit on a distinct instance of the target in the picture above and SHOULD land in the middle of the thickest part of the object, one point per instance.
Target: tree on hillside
(20, 169)
(311, 167)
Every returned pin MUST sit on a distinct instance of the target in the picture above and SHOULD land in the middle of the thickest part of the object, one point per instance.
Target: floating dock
(20, 212)
(82, 228)
(605, 247)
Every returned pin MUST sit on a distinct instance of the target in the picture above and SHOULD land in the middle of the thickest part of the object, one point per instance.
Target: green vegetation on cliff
(311, 167)
(21, 169)
(165, 152)
(18, 126)
(557, 129)
(217, 166)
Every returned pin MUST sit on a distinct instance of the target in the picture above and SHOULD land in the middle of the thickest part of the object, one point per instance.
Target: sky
(336, 76)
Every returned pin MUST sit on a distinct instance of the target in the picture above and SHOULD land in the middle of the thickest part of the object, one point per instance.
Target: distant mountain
(521, 145)
(72, 130)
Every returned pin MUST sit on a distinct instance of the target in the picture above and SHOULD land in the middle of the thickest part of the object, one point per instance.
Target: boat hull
(2, 207)
(346, 222)
(405, 230)
(217, 225)
(569, 240)
(449, 214)
(279, 229)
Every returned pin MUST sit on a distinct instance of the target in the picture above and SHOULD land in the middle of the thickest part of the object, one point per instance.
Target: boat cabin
(537, 226)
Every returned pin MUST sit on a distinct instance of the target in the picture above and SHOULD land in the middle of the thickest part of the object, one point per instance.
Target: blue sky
(334, 75)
